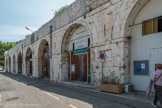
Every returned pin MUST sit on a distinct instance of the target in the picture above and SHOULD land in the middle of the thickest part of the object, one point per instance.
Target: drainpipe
(51, 71)
(22, 60)
(51, 42)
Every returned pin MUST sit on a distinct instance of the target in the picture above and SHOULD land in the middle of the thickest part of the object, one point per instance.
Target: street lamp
(28, 29)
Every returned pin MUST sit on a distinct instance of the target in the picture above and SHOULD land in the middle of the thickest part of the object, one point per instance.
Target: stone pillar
(16, 63)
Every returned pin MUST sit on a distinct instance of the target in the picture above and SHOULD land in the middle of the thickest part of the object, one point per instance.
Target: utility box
(128, 88)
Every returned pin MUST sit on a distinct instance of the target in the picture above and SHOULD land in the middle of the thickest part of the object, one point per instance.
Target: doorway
(79, 62)
(29, 62)
(79, 67)
(44, 60)
(30, 67)
(20, 63)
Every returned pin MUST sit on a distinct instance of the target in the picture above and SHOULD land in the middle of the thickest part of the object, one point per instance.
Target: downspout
(51, 70)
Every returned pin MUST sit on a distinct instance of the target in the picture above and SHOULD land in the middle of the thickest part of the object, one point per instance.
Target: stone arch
(19, 62)
(67, 52)
(44, 59)
(14, 64)
(29, 62)
(133, 32)
(68, 35)
(132, 16)
(71, 29)
(9, 64)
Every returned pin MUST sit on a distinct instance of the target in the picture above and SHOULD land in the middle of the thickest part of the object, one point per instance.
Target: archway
(44, 60)
(19, 63)
(133, 15)
(29, 62)
(14, 64)
(141, 49)
(76, 53)
(9, 64)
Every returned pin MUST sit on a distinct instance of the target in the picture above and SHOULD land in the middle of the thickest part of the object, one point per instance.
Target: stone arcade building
(67, 47)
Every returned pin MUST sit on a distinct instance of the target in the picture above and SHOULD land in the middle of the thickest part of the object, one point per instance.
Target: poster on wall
(73, 68)
(141, 67)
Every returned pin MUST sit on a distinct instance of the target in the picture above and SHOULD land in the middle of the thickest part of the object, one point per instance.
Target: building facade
(67, 48)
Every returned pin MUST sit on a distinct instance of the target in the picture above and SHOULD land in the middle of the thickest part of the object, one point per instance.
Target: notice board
(141, 67)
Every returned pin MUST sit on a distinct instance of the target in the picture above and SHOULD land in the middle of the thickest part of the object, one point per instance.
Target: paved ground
(17, 91)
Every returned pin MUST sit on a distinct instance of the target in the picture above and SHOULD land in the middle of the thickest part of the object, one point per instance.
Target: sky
(15, 15)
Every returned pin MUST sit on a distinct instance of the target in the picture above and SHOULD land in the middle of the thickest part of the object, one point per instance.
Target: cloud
(14, 33)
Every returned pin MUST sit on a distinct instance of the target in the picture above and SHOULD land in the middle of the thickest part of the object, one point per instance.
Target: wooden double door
(81, 64)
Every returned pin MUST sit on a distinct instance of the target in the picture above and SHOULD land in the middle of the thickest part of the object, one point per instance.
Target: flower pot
(112, 88)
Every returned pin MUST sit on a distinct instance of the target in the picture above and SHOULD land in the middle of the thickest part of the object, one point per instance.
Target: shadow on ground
(97, 100)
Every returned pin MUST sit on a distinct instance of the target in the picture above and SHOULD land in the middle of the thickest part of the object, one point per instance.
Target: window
(155, 26)
(147, 27)
(88, 42)
(51, 29)
(73, 46)
(152, 26)
(160, 24)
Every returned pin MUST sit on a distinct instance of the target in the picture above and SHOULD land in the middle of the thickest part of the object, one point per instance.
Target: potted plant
(111, 84)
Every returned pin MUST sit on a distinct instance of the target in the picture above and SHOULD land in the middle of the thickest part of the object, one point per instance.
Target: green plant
(28, 35)
(5, 46)
(111, 79)
(61, 10)
(90, 9)
(105, 80)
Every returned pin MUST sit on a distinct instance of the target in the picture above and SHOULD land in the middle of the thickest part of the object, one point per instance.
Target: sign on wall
(141, 67)
(78, 51)
(102, 56)
(73, 68)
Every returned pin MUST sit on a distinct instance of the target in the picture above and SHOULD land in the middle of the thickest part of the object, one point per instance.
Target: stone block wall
(106, 26)
(97, 3)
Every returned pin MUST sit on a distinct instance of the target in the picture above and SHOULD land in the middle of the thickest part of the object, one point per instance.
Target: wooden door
(75, 61)
(80, 62)
(69, 65)
(89, 65)
(30, 67)
(85, 67)
(82, 66)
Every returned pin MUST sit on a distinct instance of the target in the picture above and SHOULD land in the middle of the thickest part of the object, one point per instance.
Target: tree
(27, 35)
(5, 46)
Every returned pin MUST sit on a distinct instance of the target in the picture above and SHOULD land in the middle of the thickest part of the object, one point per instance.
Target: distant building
(67, 48)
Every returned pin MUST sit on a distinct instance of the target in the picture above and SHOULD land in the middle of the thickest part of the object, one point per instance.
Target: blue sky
(15, 15)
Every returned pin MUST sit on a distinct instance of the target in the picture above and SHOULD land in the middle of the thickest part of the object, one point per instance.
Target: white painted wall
(80, 38)
(146, 47)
